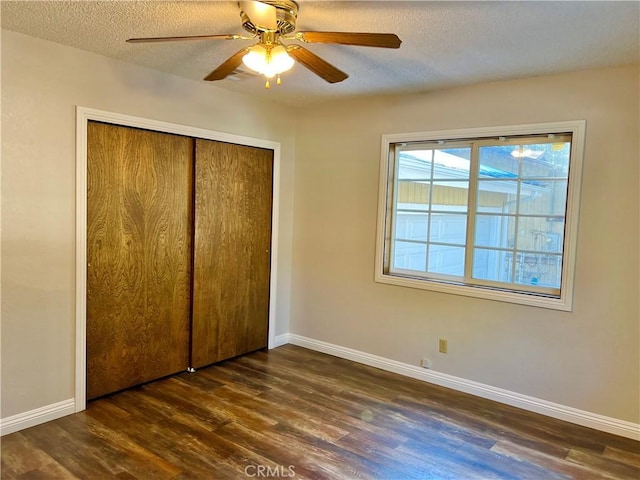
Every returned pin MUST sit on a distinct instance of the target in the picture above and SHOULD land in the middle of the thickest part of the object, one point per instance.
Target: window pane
(414, 165)
(451, 163)
(496, 161)
(492, 265)
(460, 152)
(542, 270)
(495, 231)
(410, 256)
(450, 196)
(411, 226)
(538, 234)
(448, 228)
(497, 196)
(545, 160)
(446, 260)
(432, 207)
(413, 194)
(543, 197)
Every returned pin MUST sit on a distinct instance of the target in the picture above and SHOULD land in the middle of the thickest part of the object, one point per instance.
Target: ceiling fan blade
(228, 66)
(177, 39)
(383, 40)
(317, 65)
(262, 15)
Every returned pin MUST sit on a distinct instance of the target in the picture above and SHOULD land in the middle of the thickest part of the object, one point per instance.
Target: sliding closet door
(231, 250)
(139, 222)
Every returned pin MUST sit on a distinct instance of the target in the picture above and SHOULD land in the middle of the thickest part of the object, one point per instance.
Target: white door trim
(83, 116)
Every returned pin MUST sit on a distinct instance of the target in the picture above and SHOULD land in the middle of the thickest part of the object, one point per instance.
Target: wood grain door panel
(139, 242)
(232, 242)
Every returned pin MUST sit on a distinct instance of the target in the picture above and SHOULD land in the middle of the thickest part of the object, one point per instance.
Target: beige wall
(586, 359)
(42, 82)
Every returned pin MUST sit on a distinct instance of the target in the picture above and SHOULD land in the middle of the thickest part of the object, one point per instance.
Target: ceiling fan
(271, 22)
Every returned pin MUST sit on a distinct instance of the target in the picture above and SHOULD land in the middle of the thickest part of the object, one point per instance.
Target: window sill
(562, 303)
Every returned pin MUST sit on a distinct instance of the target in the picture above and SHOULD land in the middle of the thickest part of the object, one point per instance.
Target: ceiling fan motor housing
(286, 16)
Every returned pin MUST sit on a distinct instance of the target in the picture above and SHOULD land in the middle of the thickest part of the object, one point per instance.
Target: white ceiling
(444, 43)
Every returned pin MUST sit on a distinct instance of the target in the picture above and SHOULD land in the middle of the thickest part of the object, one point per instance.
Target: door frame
(83, 116)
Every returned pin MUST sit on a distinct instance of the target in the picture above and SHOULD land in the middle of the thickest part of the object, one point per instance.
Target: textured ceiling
(444, 43)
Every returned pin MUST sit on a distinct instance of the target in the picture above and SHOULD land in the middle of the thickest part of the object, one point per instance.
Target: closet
(178, 253)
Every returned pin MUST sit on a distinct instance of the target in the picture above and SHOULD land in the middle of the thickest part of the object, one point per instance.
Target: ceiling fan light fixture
(268, 60)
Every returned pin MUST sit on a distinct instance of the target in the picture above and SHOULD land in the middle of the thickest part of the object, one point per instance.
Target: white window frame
(562, 302)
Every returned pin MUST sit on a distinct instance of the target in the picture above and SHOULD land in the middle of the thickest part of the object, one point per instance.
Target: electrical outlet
(443, 347)
(425, 363)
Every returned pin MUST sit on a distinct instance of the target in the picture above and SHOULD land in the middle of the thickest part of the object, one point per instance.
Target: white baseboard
(544, 407)
(37, 416)
(280, 340)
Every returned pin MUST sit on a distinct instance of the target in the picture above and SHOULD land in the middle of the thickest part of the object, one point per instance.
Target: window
(489, 213)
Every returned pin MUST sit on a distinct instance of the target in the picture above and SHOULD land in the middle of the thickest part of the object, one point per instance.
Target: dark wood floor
(294, 413)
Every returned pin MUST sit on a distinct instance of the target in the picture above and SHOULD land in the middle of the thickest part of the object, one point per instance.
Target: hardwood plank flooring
(295, 413)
